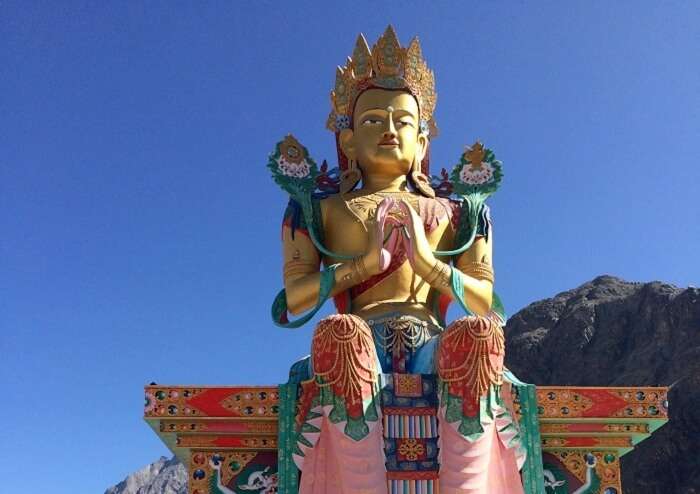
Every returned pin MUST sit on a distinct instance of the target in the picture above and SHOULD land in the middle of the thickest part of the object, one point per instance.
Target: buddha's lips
(389, 142)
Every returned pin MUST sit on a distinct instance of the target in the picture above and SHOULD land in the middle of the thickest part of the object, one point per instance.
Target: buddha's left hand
(418, 250)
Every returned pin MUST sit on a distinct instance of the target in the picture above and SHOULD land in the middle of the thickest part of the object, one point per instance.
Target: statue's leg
(348, 457)
(477, 455)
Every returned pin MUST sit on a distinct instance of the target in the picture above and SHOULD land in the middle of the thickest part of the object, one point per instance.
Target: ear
(422, 147)
(347, 143)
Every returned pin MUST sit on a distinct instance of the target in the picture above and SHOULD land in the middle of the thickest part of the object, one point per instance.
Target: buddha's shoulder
(335, 207)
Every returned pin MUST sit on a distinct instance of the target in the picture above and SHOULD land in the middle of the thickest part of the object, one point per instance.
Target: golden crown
(387, 66)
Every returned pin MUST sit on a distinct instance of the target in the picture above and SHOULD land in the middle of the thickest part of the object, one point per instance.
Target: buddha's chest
(346, 223)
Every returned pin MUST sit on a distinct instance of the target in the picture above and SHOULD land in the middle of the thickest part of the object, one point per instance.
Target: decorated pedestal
(225, 436)
(228, 436)
(585, 431)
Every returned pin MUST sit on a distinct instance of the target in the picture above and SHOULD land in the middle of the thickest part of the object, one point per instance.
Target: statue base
(235, 439)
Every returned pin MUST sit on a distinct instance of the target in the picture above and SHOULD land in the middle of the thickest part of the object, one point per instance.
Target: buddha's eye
(372, 121)
(404, 122)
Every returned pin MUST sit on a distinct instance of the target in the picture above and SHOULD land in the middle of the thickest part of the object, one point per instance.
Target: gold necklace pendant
(366, 205)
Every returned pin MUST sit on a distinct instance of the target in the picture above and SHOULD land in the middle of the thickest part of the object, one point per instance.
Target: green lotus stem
(474, 202)
(462, 249)
(307, 210)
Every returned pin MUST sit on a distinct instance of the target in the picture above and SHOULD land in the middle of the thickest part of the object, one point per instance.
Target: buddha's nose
(389, 131)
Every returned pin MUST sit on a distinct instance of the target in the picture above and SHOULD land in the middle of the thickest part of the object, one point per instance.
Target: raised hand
(377, 258)
(418, 249)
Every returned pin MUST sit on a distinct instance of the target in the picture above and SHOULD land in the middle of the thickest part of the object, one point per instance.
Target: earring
(420, 181)
(350, 177)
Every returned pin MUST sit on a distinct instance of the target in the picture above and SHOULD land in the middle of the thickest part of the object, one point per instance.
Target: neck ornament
(364, 207)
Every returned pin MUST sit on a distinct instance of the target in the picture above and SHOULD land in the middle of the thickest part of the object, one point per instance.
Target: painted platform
(227, 436)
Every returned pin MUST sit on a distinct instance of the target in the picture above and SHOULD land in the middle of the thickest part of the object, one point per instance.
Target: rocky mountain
(165, 476)
(609, 332)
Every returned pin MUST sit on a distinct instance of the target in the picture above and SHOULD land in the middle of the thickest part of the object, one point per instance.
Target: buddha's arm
(302, 275)
(475, 264)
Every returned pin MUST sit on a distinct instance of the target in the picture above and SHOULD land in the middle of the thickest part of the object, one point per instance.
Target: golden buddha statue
(390, 400)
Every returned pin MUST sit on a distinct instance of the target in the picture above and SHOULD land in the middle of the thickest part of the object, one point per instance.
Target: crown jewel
(387, 66)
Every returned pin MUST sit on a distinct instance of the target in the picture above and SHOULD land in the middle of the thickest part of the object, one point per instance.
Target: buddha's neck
(384, 184)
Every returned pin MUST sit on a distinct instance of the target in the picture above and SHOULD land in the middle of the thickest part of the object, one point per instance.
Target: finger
(408, 211)
(384, 259)
(382, 212)
(408, 245)
(417, 220)
(379, 232)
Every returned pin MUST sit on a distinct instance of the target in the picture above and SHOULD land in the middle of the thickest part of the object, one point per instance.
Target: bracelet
(279, 305)
(357, 269)
(361, 268)
(445, 274)
(432, 275)
(439, 273)
(478, 270)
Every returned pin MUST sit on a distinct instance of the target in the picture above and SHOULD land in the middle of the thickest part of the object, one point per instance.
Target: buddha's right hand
(377, 258)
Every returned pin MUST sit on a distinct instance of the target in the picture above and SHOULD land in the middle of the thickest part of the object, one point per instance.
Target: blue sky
(140, 229)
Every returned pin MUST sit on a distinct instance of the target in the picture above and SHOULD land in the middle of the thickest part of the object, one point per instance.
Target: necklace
(365, 206)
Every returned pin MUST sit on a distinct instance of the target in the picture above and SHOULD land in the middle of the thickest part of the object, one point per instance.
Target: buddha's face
(386, 137)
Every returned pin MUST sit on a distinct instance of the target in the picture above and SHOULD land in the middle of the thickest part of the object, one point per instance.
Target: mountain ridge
(164, 476)
(623, 334)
